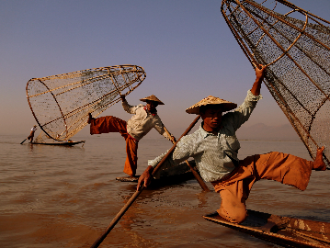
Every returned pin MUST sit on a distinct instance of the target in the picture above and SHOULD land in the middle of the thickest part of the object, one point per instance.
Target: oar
(137, 193)
(23, 141)
(198, 177)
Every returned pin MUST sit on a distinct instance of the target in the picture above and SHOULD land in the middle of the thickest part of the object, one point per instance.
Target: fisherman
(31, 136)
(145, 118)
(214, 147)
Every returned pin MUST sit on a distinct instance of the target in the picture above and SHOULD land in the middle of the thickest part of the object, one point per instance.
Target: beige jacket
(142, 122)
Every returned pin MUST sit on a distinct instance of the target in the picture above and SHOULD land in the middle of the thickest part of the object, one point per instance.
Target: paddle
(23, 141)
(198, 178)
(137, 193)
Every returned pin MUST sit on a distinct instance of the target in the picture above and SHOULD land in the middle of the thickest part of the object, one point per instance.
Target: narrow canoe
(285, 231)
(168, 176)
(72, 143)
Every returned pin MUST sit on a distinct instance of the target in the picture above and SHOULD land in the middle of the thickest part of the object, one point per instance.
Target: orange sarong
(109, 124)
(31, 136)
(234, 191)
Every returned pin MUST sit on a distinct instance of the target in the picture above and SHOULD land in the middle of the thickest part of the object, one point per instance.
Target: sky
(185, 47)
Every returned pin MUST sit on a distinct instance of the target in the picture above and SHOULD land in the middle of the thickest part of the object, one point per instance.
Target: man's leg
(288, 169)
(318, 163)
(108, 124)
(285, 168)
(232, 207)
(131, 159)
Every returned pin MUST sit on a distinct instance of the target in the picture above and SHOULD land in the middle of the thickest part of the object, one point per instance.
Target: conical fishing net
(61, 103)
(296, 46)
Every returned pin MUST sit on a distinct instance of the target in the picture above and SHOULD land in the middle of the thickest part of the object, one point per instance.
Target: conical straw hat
(152, 98)
(211, 100)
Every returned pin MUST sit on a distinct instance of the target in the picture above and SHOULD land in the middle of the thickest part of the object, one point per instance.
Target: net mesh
(295, 44)
(61, 103)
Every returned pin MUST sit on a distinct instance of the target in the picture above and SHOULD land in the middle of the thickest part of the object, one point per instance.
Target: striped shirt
(212, 152)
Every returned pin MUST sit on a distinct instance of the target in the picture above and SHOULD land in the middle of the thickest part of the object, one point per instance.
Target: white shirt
(142, 122)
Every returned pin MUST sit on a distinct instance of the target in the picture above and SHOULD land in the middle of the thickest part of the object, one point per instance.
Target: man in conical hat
(144, 118)
(214, 147)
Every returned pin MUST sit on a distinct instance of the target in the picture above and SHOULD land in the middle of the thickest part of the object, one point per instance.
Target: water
(67, 196)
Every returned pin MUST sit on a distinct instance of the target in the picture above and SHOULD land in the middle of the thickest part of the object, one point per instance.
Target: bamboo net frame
(295, 44)
(61, 103)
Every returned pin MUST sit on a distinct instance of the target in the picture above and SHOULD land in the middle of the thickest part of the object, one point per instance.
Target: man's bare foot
(318, 163)
(90, 118)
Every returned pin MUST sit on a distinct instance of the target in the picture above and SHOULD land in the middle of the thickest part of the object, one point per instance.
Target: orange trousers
(31, 136)
(109, 124)
(234, 189)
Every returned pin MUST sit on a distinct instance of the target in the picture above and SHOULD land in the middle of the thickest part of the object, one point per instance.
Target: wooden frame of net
(61, 103)
(295, 44)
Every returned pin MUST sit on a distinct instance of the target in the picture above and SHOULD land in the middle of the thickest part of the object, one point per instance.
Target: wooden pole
(198, 178)
(137, 193)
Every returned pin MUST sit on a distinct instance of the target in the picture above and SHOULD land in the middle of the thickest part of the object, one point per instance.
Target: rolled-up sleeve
(159, 126)
(182, 151)
(129, 108)
(244, 111)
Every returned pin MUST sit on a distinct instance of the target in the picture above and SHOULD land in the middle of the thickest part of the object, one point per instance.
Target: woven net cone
(61, 103)
(295, 44)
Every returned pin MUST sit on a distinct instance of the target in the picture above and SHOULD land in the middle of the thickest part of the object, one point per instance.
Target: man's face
(151, 105)
(212, 117)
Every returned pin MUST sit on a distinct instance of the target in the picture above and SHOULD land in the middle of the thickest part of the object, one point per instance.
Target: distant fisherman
(31, 136)
(145, 118)
(214, 147)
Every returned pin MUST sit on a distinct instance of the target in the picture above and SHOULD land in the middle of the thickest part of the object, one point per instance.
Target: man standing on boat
(145, 118)
(214, 147)
(31, 136)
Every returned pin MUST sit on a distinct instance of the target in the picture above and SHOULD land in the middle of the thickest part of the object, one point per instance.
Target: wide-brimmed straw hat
(211, 100)
(152, 98)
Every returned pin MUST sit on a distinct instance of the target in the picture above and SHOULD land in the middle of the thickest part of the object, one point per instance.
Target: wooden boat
(170, 180)
(180, 175)
(69, 143)
(285, 231)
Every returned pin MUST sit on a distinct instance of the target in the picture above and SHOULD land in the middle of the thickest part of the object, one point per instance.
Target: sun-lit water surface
(66, 197)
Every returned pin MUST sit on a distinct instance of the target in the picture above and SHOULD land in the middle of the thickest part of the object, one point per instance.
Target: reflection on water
(67, 196)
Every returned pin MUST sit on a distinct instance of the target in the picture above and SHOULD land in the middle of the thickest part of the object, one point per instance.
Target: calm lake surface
(67, 196)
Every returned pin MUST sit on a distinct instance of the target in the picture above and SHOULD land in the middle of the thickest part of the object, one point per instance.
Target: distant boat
(68, 143)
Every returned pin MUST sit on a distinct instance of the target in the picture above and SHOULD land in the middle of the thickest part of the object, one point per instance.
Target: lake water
(67, 196)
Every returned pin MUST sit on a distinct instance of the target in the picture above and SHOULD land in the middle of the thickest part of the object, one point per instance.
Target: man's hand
(122, 97)
(260, 74)
(145, 178)
(173, 140)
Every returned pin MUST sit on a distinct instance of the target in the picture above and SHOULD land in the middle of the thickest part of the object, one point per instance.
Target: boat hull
(285, 231)
(61, 143)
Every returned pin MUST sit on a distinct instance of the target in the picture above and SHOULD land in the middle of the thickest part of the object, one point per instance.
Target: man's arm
(123, 99)
(260, 74)
(243, 112)
(145, 178)
(128, 108)
(183, 150)
(161, 129)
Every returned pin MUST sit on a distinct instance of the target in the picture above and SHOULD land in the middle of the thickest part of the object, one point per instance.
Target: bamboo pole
(137, 193)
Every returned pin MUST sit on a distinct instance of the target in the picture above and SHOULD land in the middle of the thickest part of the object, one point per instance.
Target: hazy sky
(185, 47)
